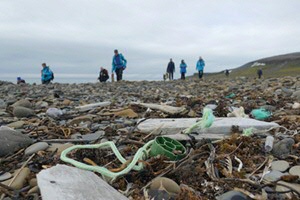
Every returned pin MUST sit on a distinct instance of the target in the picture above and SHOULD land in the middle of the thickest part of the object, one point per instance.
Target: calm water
(77, 78)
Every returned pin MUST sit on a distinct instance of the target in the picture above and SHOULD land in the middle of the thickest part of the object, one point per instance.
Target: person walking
(200, 67)
(171, 69)
(259, 73)
(103, 75)
(118, 65)
(183, 67)
(46, 74)
(227, 72)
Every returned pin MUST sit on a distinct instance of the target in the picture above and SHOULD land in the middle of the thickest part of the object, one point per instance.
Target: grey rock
(296, 95)
(5, 176)
(232, 195)
(280, 165)
(93, 136)
(23, 103)
(16, 125)
(295, 170)
(22, 112)
(11, 141)
(287, 92)
(273, 176)
(282, 148)
(2, 104)
(39, 146)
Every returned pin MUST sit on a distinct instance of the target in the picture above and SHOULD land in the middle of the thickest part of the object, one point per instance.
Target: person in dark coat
(259, 73)
(20, 80)
(227, 72)
(103, 75)
(171, 69)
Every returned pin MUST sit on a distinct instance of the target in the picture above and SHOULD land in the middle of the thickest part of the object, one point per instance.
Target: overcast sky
(77, 36)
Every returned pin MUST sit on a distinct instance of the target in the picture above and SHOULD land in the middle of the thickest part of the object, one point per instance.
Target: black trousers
(119, 73)
(200, 73)
(46, 82)
(171, 75)
(182, 75)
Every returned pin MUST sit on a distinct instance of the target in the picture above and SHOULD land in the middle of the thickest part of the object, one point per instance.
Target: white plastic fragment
(54, 112)
(269, 143)
(92, 106)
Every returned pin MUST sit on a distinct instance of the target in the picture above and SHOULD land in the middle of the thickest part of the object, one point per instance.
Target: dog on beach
(165, 76)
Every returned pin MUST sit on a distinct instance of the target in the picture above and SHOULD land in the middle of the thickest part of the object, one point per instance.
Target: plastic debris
(260, 114)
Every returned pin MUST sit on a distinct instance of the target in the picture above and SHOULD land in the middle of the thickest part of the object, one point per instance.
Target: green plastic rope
(140, 154)
(206, 121)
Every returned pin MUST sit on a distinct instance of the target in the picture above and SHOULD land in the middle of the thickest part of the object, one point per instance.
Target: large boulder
(11, 141)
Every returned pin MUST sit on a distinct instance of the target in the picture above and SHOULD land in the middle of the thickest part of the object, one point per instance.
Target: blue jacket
(200, 65)
(183, 68)
(120, 63)
(46, 74)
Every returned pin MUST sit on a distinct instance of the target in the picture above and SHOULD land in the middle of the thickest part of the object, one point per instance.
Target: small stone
(66, 102)
(295, 170)
(282, 148)
(296, 105)
(290, 185)
(23, 103)
(81, 119)
(76, 136)
(232, 195)
(192, 113)
(22, 112)
(16, 125)
(33, 182)
(11, 141)
(273, 176)
(170, 185)
(129, 113)
(39, 146)
(60, 147)
(280, 165)
(35, 189)
(296, 95)
(2, 104)
(20, 180)
(5, 176)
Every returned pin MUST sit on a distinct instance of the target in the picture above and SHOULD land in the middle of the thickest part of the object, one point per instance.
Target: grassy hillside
(276, 66)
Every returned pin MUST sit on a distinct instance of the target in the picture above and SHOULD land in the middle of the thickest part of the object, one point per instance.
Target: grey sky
(77, 36)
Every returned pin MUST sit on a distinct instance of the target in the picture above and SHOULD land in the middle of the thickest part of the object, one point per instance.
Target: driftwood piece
(167, 109)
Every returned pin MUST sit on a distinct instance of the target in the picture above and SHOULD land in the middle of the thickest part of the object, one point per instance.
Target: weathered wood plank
(70, 183)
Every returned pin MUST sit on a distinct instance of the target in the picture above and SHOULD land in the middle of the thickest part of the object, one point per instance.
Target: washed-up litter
(168, 109)
(179, 143)
(92, 106)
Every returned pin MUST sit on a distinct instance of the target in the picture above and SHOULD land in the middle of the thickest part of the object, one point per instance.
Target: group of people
(119, 64)
(171, 69)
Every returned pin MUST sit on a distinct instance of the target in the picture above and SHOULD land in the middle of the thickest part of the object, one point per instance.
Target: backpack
(52, 76)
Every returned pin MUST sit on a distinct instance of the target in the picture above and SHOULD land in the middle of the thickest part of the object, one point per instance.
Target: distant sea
(77, 78)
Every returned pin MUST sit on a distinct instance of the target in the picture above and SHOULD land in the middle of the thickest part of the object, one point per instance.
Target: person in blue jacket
(118, 64)
(183, 67)
(47, 74)
(200, 67)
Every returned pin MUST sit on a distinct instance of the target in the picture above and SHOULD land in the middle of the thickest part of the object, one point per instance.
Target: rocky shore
(38, 122)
